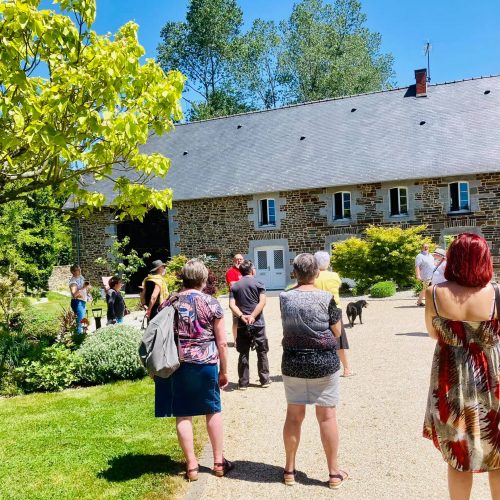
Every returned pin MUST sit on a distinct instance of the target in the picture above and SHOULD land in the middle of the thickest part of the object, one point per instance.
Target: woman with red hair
(463, 408)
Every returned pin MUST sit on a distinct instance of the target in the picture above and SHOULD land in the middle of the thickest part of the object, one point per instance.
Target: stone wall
(59, 278)
(222, 226)
(91, 239)
(226, 225)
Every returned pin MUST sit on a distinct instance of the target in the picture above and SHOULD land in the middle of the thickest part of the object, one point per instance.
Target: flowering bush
(387, 254)
(110, 354)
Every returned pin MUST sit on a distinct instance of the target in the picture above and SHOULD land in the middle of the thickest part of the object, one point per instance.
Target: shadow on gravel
(258, 472)
(407, 307)
(414, 334)
(132, 466)
(233, 386)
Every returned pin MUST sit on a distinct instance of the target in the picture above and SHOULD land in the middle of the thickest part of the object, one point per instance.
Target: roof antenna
(427, 51)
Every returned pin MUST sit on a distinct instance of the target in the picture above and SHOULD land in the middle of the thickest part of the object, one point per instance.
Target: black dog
(354, 309)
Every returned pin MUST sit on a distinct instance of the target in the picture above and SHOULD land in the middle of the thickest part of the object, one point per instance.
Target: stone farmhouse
(272, 184)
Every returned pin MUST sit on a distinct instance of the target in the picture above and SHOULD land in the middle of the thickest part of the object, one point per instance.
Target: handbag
(158, 350)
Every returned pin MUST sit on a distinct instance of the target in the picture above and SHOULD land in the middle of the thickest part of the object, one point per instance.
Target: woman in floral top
(194, 389)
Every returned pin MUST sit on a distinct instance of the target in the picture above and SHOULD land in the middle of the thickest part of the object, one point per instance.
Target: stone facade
(59, 278)
(91, 239)
(221, 226)
(225, 225)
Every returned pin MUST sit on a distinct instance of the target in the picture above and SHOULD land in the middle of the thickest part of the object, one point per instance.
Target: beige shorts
(322, 391)
(425, 285)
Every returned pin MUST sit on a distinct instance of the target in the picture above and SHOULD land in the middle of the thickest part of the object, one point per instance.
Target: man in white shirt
(424, 267)
(439, 266)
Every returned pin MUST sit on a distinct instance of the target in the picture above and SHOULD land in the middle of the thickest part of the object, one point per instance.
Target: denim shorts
(322, 391)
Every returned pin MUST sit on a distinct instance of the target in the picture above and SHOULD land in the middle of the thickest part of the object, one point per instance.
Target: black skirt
(342, 342)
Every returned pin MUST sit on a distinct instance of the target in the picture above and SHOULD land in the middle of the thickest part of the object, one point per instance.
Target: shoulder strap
(437, 267)
(497, 301)
(434, 299)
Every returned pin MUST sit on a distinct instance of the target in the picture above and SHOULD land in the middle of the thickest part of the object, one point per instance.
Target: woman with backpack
(194, 388)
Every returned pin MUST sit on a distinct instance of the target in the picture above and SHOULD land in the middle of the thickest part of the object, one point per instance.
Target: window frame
(342, 197)
(450, 199)
(399, 214)
(261, 215)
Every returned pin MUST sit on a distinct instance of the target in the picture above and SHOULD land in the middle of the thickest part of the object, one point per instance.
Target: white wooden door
(270, 265)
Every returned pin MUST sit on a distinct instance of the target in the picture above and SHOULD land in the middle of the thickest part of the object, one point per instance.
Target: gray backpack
(158, 351)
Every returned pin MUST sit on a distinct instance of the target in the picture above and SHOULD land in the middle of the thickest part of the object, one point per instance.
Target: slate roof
(382, 136)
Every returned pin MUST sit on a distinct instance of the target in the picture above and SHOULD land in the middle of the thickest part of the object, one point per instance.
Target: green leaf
(94, 111)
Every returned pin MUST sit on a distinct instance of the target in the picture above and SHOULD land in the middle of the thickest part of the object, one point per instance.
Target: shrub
(222, 291)
(349, 258)
(387, 253)
(40, 326)
(172, 272)
(123, 261)
(417, 287)
(67, 335)
(95, 293)
(110, 354)
(54, 371)
(383, 289)
(11, 291)
(211, 286)
(14, 346)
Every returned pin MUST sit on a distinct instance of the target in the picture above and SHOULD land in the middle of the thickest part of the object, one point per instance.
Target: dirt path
(380, 420)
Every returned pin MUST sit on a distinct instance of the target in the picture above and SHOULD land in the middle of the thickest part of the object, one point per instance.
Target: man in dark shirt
(247, 300)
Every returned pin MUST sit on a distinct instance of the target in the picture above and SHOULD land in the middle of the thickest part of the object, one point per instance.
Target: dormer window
(398, 201)
(342, 205)
(267, 212)
(459, 196)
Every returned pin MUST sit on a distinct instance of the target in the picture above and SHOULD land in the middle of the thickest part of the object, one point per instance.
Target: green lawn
(98, 442)
(57, 301)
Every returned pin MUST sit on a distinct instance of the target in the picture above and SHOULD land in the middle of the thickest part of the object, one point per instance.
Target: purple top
(195, 327)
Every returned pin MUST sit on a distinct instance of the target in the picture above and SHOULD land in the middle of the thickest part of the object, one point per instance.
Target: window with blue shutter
(267, 212)
(342, 205)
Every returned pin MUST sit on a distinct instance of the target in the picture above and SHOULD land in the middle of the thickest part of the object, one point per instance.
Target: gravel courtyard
(380, 420)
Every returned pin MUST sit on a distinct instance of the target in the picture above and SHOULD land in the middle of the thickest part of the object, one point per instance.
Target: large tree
(33, 239)
(256, 64)
(202, 48)
(329, 52)
(74, 104)
(219, 103)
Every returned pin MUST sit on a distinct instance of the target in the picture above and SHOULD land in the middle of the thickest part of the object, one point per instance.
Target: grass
(57, 301)
(98, 442)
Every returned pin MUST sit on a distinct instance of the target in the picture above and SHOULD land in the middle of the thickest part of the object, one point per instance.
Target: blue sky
(465, 35)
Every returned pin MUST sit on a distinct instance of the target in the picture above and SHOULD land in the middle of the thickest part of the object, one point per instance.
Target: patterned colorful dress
(463, 408)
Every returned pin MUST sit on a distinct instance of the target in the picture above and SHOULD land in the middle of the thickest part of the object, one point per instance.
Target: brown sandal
(226, 467)
(192, 474)
(334, 485)
(289, 481)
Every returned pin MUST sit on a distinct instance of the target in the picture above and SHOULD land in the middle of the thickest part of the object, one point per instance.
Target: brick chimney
(421, 82)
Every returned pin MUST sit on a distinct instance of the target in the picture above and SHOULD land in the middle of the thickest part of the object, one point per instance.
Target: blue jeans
(78, 307)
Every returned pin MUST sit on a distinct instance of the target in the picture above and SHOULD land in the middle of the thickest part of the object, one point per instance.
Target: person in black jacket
(115, 301)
